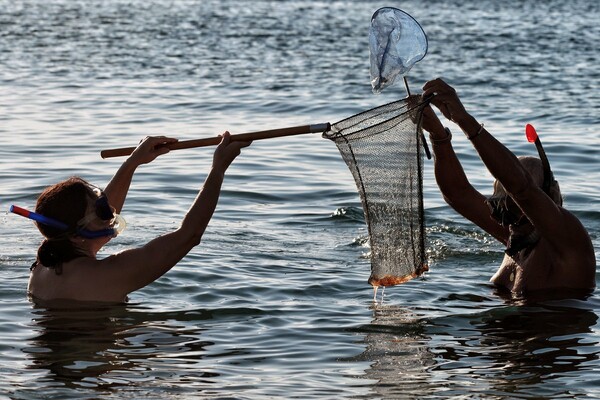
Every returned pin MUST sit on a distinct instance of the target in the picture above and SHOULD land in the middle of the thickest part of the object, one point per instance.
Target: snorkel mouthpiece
(532, 137)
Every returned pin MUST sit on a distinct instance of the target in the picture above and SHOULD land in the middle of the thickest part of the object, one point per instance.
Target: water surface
(275, 303)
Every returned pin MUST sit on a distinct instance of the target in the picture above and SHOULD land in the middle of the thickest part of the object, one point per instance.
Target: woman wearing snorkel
(547, 247)
(77, 219)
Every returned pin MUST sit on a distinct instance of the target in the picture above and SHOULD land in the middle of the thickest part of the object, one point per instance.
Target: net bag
(383, 149)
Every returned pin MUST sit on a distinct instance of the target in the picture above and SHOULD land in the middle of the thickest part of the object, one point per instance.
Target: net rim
(333, 133)
(411, 17)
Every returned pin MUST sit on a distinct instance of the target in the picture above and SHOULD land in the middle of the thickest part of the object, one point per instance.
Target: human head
(66, 201)
(535, 168)
(504, 210)
(73, 202)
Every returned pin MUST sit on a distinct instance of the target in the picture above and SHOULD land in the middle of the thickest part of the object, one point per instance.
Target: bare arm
(453, 183)
(149, 148)
(561, 228)
(554, 223)
(133, 269)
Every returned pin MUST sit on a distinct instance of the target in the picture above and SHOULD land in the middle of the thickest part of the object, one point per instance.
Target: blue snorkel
(85, 233)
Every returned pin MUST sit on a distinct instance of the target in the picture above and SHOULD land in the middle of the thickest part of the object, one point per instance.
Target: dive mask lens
(500, 211)
(103, 209)
(118, 224)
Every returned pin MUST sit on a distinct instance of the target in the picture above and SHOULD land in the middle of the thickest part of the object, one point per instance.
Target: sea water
(275, 303)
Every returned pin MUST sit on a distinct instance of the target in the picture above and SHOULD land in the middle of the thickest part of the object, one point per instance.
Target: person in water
(547, 247)
(79, 219)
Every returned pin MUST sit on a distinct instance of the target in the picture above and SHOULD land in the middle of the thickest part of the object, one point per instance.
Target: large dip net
(383, 148)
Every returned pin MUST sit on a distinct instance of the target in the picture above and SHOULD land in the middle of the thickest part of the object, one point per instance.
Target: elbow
(448, 200)
(190, 238)
(453, 193)
(194, 239)
(527, 177)
(453, 202)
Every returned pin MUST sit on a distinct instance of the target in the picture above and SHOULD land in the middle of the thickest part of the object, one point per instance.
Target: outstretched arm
(133, 269)
(452, 181)
(148, 149)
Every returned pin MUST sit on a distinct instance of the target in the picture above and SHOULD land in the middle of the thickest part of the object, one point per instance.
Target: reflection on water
(511, 350)
(283, 279)
(397, 350)
(107, 347)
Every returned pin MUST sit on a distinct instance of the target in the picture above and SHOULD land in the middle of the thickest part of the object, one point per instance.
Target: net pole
(423, 140)
(188, 144)
(406, 86)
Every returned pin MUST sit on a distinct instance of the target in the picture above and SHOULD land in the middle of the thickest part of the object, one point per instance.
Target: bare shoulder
(82, 279)
(577, 241)
(576, 259)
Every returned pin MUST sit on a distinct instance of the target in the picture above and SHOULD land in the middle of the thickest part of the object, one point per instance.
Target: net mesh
(396, 43)
(383, 149)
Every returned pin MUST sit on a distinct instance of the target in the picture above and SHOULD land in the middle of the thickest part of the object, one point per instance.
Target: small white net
(396, 43)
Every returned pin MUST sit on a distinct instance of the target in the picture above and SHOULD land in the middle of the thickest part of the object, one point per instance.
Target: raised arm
(452, 180)
(133, 269)
(148, 149)
(553, 222)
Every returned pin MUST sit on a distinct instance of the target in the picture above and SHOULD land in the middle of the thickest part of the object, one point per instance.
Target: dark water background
(274, 302)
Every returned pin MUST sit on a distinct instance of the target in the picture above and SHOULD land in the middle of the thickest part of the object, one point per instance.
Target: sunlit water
(274, 302)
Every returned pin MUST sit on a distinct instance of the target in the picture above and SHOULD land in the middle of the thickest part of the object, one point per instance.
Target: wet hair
(67, 202)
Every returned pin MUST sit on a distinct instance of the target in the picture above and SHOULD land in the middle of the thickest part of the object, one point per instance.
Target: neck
(86, 247)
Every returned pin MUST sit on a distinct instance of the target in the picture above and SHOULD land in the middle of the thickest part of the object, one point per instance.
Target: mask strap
(42, 219)
(95, 234)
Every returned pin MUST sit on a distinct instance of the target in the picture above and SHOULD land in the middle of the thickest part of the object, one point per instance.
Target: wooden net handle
(243, 137)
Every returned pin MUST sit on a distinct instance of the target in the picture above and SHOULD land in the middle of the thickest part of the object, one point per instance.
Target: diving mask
(102, 211)
(505, 211)
(117, 225)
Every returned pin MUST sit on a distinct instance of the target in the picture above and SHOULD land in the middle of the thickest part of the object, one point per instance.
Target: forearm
(200, 213)
(116, 190)
(148, 149)
(499, 160)
(456, 188)
(136, 268)
(449, 173)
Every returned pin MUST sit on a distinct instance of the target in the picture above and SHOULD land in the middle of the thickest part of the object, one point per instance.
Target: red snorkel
(532, 137)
